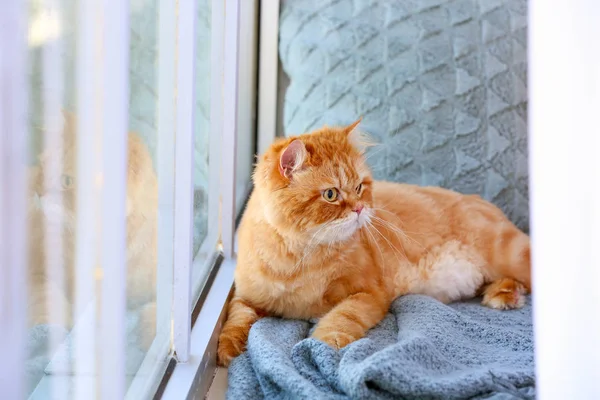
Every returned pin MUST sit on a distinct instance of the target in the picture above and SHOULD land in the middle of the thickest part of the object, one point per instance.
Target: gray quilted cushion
(441, 84)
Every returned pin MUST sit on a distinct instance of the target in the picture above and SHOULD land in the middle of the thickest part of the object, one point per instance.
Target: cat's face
(53, 180)
(318, 185)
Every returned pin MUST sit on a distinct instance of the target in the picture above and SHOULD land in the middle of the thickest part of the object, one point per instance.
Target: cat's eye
(359, 188)
(66, 181)
(330, 195)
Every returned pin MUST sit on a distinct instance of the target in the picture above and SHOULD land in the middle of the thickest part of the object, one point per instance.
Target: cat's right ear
(68, 116)
(292, 158)
(70, 120)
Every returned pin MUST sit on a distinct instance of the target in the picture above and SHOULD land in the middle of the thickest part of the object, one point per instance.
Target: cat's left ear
(292, 158)
(68, 117)
(352, 127)
(360, 140)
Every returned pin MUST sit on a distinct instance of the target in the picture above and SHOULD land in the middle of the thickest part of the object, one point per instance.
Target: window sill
(218, 387)
(193, 379)
(61, 379)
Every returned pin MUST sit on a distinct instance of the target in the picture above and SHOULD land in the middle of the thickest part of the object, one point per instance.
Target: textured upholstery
(441, 84)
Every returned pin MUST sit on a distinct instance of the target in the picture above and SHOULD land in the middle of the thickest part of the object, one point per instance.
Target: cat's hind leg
(510, 270)
(147, 326)
(504, 294)
(47, 303)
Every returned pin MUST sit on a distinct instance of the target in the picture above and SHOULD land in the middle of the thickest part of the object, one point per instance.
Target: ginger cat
(321, 239)
(53, 206)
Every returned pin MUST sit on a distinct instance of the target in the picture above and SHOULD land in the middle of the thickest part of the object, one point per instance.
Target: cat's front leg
(42, 299)
(147, 325)
(234, 336)
(350, 319)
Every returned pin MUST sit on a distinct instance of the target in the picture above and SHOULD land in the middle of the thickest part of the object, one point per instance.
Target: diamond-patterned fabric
(441, 84)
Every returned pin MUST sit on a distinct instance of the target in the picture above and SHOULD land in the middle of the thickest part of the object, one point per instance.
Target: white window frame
(13, 148)
(184, 178)
(229, 22)
(229, 132)
(115, 121)
(268, 73)
(195, 376)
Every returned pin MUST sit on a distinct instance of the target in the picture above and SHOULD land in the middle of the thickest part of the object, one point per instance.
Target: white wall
(564, 74)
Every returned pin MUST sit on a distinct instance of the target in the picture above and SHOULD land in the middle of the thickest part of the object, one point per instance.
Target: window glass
(205, 239)
(246, 124)
(63, 307)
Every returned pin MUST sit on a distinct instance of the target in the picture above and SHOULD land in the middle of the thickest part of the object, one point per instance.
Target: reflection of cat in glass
(53, 209)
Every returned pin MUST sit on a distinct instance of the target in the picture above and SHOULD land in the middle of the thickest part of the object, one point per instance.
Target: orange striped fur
(302, 255)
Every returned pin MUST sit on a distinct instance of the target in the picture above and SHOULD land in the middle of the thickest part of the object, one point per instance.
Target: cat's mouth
(363, 217)
(36, 201)
(343, 229)
(52, 210)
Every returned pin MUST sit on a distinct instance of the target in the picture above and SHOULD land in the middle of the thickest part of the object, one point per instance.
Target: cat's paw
(230, 346)
(147, 326)
(335, 339)
(40, 313)
(504, 294)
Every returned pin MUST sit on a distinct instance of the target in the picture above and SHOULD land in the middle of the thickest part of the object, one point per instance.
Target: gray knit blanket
(423, 349)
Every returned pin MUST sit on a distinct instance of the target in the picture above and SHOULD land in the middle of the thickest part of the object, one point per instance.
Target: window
(122, 169)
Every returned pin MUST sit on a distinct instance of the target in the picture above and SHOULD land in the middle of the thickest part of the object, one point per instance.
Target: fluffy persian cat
(53, 219)
(321, 239)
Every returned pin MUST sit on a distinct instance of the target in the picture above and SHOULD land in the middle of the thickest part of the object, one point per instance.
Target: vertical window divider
(166, 163)
(13, 186)
(53, 128)
(193, 378)
(184, 182)
(113, 179)
(216, 117)
(268, 73)
(88, 67)
(230, 98)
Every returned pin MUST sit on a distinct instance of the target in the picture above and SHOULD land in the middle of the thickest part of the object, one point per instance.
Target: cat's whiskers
(310, 247)
(331, 242)
(374, 239)
(377, 149)
(423, 233)
(369, 227)
(340, 230)
(388, 225)
(329, 246)
(331, 231)
(396, 251)
(399, 231)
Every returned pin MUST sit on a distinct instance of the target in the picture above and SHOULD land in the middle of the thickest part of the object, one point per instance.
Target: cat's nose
(37, 200)
(358, 208)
